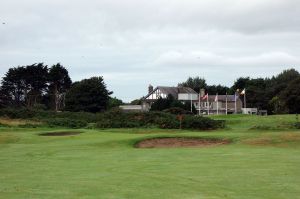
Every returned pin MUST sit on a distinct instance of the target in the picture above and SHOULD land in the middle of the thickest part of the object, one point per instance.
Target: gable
(156, 94)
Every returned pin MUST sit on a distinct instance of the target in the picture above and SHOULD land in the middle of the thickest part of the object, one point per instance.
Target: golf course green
(262, 160)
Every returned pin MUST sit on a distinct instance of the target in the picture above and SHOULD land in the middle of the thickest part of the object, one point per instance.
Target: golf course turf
(261, 161)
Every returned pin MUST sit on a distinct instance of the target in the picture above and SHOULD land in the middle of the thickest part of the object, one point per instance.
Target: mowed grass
(104, 164)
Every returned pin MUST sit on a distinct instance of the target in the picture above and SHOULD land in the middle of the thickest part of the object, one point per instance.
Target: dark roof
(186, 90)
(174, 91)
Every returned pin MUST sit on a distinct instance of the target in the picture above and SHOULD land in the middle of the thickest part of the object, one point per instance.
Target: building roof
(174, 91)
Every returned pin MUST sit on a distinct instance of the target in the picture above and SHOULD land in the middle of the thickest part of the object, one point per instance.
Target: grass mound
(174, 142)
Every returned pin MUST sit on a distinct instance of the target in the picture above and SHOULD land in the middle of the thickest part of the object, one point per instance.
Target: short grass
(260, 163)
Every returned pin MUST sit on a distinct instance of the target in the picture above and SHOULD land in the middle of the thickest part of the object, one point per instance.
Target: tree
(276, 106)
(280, 82)
(195, 83)
(136, 102)
(59, 83)
(3, 99)
(114, 102)
(36, 79)
(187, 107)
(88, 95)
(240, 84)
(14, 87)
(256, 93)
(221, 90)
(162, 103)
(292, 96)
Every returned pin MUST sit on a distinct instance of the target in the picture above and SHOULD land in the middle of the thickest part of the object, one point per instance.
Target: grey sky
(133, 43)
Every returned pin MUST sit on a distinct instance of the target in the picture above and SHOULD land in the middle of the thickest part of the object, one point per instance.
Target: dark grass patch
(176, 142)
(60, 133)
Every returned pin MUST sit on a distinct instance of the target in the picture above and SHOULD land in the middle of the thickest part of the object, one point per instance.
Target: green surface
(104, 163)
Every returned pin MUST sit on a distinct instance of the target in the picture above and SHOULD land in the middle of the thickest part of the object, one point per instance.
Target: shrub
(63, 122)
(177, 111)
(20, 113)
(28, 125)
(115, 118)
(119, 119)
(202, 123)
(167, 123)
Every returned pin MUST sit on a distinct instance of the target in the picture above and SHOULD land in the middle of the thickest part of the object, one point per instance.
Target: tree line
(51, 88)
(278, 94)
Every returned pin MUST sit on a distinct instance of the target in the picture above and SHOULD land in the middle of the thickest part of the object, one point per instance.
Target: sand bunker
(180, 142)
(61, 133)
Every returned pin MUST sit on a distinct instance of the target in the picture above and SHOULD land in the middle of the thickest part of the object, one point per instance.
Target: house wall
(186, 96)
(221, 106)
(231, 105)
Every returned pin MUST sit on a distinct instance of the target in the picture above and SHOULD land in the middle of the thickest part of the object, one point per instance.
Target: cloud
(209, 59)
(136, 42)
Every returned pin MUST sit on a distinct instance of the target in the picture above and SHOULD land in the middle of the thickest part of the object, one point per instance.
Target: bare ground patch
(180, 142)
(60, 133)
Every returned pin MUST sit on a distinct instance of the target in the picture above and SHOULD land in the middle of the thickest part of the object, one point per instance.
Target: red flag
(205, 96)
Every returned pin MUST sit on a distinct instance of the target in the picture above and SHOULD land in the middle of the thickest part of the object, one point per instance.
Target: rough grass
(105, 164)
(17, 122)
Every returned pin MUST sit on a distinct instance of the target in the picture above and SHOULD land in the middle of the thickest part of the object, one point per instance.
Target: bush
(24, 113)
(115, 118)
(69, 123)
(20, 113)
(202, 123)
(28, 125)
(119, 119)
(168, 123)
(177, 111)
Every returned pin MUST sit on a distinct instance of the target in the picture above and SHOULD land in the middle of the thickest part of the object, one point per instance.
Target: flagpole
(217, 104)
(199, 103)
(207, 105)
(235, 103)
(226, 104)
(191, 104)
(245, 106)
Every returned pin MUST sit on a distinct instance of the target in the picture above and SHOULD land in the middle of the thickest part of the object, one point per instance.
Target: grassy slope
(103, 164)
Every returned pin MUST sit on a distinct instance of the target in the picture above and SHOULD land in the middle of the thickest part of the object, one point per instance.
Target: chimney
(150, 88)
(202, 92)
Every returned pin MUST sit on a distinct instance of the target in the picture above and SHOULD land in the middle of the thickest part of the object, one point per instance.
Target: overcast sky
(134, 43)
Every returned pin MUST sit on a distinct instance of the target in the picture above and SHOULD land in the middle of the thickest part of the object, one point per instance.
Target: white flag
(243, 92)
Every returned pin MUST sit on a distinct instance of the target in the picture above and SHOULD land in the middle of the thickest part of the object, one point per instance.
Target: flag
(243, 92)
(205, 96)
(216, 98)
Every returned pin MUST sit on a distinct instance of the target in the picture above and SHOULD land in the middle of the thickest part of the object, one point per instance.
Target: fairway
(261, 161)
